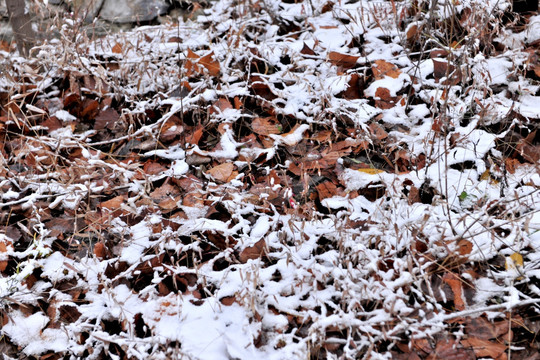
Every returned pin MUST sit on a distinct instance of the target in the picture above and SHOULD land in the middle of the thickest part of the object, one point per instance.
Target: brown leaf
(171, 129)
(377, 131)
(511, 165)
(482, 328)
(253, 252)
(3, 263)
(343, 60)
(266, 126)
(464, 247)
(52, 123)
(412, 33)
(100, 250)
(117, 48)
(211, 64)
(221, 172)
(384, 99)
(228, 300)
(326, 189)
(442, 69)
(220, 106)
(383, 68)
(113, 204)
(153, 168)
(414, 196)
(450, 350)
(306, 50)
(106, 119)
(455, 284)
(485, 348)
(354, 88)
(90, 109)
(194, 136)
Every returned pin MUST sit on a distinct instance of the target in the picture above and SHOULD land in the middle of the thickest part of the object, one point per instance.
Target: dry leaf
(220, 106)
(106, 119)
(377, 131)
(221, 172)
(113, 204)
(228, 300)
(210, 64)
(412, 33)
(343, 60)
(456, 285)
(253, 252)
(482, 328)
(464, 247)
(117, 48)
(384, 68)
(371, 171)
(100, 250)
(3, 263)
(485, 348)
(266, 126)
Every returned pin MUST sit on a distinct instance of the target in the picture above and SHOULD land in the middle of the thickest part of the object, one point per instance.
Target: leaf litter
(354, 179)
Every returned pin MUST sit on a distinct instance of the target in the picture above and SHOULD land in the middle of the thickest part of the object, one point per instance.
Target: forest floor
(275, 180)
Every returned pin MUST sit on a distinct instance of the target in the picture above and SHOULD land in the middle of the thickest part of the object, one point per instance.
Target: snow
(29, 333)
(348, 262)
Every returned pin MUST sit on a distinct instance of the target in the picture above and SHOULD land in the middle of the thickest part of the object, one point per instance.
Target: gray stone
(131, 11)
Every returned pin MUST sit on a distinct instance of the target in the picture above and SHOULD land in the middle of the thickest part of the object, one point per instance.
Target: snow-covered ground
(275, 180)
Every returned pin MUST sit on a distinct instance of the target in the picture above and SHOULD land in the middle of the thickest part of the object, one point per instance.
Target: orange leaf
(464, 247)
(221, 172)
(100, 250)
(3, 263)
(220, 105)
(383, 68)
(343, 60)
(456, 285)
(117, 48)
(377, 131)
(265, 126)
(485, 348)
(113, 204)
(211, 64)
(191, 55)
(253, 252)
(412, 33)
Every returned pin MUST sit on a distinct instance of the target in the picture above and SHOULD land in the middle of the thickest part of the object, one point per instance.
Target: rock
(132, 11)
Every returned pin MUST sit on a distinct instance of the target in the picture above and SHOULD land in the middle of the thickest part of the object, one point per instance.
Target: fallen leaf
(211, 64)
(153, 168)
(456, 284)
(100, 251)
(266, 126)
(113, 204)
(451, 350)
(485, 348)
(220, 106)
(221, 172)
(371, 171)
(383, 68)
(464, 247)
(384, 100)
(412, 33)
(377, 131)
(228, 300)
(253, 252)
(3, 263)
(343, 60)
(482, 328)
(106, 119)
(117, 48)
(326, 189)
